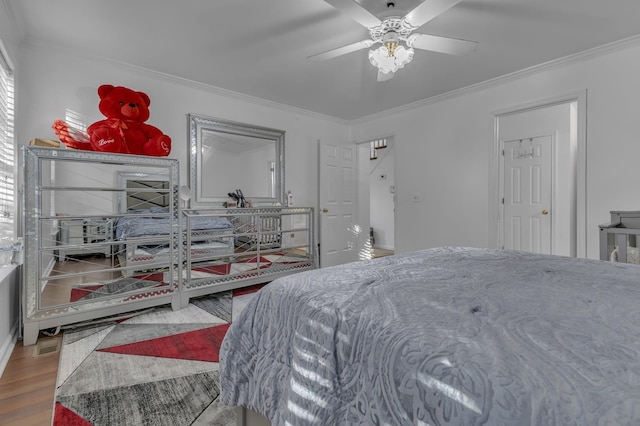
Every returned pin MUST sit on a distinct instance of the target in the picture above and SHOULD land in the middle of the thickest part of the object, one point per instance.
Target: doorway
(381, 196)
(539, 177)
(344, 202)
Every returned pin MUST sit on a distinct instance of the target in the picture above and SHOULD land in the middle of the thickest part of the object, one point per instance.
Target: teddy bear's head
(123, 103)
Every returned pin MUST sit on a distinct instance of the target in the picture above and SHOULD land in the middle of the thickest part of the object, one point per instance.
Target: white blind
(7, 150)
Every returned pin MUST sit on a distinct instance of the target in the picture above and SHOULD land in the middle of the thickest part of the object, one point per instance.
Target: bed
(457, 336)
(145, 240)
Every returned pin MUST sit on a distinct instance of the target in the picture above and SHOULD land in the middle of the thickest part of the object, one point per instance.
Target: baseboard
(7, 347)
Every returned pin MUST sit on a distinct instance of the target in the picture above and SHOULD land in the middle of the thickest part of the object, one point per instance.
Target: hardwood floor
(380, 252)
(27, 387)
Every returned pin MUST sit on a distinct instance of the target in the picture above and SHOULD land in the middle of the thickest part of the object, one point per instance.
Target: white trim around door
(579, 114)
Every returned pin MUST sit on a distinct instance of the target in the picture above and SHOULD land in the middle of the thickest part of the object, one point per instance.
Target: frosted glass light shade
(380, 58)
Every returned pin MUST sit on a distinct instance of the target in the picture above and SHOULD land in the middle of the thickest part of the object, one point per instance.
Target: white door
(527, 194)
(339, 230)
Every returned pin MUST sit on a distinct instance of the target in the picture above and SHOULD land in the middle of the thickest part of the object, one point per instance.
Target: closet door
(527, 194)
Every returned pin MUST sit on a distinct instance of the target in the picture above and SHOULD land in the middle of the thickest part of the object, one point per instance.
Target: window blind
(7, 150)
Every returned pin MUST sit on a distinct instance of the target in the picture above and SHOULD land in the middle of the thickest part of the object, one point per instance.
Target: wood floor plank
(27, 387)
(34, 417)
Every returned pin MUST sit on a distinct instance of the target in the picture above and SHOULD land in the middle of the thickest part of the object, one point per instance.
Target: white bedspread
(443, 336)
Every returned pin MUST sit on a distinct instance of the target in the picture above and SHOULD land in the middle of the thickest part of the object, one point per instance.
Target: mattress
(457, 336)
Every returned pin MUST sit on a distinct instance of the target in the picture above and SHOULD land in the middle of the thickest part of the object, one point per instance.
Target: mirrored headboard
(226, 156)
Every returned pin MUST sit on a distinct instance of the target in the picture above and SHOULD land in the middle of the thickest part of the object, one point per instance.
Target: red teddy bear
(123, 131)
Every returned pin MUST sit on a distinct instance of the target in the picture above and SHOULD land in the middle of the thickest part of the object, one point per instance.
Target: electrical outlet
(293, 235)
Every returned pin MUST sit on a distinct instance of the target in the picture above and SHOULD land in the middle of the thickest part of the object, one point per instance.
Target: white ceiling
(260, 48)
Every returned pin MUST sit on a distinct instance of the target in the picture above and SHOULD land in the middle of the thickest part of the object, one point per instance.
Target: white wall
(77, 79)
(443, 147)
(381, 178)
(10, 308)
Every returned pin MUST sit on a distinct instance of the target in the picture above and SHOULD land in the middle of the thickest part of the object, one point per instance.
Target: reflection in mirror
(81, 258)
(143, 191)
(227, 156)
(147, 200)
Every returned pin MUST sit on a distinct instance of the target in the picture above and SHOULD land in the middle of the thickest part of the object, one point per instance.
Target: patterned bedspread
(443, 336)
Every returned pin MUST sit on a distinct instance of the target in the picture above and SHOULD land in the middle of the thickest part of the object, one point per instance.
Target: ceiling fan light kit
(391, 32)
(386, 62)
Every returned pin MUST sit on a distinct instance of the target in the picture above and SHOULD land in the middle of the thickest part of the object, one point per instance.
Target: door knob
(325, 210)
(545, 212)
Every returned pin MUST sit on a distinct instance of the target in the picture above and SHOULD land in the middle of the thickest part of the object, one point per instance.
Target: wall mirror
(226, 156)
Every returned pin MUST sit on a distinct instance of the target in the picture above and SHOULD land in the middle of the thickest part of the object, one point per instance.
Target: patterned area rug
(248, 265)
(117, 286)
(157, 368)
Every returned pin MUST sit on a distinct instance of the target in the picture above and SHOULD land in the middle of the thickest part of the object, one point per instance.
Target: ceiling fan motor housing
(401, 28)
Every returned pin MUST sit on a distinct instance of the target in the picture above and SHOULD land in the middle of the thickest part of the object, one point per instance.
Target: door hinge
(503, 152)
(503, 201)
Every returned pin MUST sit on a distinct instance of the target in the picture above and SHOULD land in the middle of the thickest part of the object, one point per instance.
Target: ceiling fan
(391, 32)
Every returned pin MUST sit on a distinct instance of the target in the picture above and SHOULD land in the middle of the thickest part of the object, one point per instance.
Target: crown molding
(585, 55)
(14, 35)
(6, 6)
(37, 43)
(494, 82)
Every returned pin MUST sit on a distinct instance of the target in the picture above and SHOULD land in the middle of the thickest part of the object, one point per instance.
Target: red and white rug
(242, 267)
(157, 368)
(251, 263)
(93, 291)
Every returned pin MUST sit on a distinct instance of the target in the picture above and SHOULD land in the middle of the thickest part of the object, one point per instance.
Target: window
(7, 151)
(374, 146)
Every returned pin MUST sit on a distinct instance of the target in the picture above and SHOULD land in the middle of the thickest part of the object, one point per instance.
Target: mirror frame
(199, 123)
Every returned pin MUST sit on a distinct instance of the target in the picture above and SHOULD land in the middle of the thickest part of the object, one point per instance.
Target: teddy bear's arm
(159, 144)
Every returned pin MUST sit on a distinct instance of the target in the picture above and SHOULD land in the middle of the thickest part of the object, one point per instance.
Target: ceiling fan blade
(356, 12)
(427, 10)
(451, 46)
(329, 54)
(384, 76)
